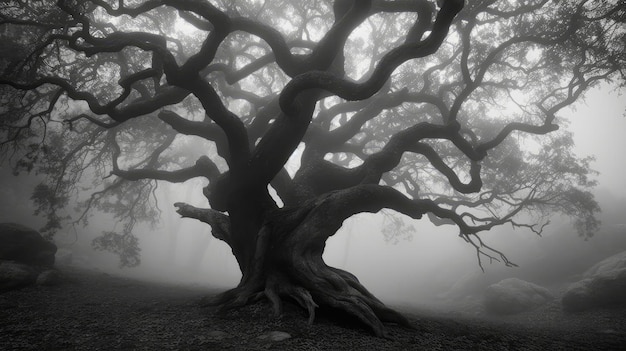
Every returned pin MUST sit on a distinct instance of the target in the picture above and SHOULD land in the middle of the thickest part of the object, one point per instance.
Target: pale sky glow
(599, 126)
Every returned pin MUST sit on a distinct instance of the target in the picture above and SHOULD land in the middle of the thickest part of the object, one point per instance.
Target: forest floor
(97, 311)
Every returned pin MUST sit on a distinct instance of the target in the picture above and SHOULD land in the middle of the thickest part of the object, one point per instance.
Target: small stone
(217, 335)
(609, 331)
(49, 277)
(275, 336)
(63, 257)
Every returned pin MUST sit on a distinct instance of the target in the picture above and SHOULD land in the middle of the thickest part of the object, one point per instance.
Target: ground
(97, 311)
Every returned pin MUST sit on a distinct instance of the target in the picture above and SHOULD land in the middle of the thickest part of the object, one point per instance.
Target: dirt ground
(96, 311)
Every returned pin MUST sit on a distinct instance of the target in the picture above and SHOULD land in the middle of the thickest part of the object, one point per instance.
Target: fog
(430, 267)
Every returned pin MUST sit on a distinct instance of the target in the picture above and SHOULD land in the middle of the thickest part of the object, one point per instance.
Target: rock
(612, 263)
(15, 275)
(275, 336)
(64, 257)
(512, 295)
(217, 335)
(472, 283)
(24, 245)
(602, 285)
(49, 277)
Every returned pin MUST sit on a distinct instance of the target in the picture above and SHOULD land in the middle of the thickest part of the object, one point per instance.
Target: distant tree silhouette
(301, 114)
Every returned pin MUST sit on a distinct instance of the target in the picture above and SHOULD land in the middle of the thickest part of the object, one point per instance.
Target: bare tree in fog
(302, 114)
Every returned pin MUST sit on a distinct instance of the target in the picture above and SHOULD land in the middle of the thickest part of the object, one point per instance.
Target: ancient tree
(300, 114)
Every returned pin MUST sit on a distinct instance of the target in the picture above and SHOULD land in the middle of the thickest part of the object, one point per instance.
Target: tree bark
(286, 264)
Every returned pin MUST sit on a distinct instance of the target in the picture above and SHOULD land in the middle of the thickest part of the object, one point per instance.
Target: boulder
(470, 284)
(473, 283)
(15, 275)
(512, 295)
(602, 285)
(25, 245)
(612, 263)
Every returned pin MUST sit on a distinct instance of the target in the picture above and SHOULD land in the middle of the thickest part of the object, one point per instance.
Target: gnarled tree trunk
(282, 257)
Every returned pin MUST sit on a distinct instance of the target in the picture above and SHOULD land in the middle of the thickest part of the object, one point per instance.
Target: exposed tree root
(311, 288)
(288, 265)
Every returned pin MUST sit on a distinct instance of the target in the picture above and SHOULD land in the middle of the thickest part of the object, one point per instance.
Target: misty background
(423, 266)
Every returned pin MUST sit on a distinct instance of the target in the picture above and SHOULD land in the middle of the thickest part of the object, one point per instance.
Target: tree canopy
(301, 114)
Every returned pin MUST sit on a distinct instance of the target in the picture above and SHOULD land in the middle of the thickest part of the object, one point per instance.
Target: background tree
(301, 114)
